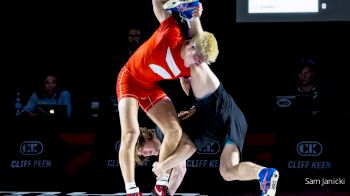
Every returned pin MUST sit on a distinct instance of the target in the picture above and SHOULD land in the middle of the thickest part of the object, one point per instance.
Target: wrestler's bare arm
(160, 13)
(195, 25)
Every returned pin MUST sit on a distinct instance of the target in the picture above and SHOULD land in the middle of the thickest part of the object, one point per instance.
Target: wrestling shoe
(183, 7)
(268, 182)
(160, 190)
(175, 3)
(134, 194)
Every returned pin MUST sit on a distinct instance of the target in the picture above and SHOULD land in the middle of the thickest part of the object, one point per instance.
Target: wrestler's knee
(130, 136)
(228, 176)
(228, 172)
(174, 133)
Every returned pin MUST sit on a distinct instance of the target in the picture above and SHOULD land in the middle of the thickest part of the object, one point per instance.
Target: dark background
(82, 42)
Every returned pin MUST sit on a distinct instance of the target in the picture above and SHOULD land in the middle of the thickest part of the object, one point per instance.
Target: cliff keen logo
(117, 146)
(309, 148)
(31, 148)
(212, 148)
(284, 101)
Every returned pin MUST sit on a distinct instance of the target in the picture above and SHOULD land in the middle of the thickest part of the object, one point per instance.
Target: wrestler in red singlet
(139, 77)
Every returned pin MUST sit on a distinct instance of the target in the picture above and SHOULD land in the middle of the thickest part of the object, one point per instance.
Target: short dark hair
(306, 62)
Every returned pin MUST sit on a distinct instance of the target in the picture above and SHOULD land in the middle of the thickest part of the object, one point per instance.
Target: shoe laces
(165, 189)
(135, 194)
(183, 18)
(265, 185)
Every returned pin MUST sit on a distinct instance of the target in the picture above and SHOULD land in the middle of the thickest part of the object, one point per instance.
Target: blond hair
(206, 45)
(145, 135)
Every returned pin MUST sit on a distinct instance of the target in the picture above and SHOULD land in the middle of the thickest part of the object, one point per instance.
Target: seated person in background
(134, 39)
(307, 90)
(48, 94)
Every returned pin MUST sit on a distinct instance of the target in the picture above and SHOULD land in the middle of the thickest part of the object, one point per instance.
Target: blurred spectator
(132, 42)
(134, 39)
(306, 75)
(48, 93)
(307, 91)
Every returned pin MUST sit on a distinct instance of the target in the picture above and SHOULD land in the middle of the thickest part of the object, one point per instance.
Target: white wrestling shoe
(268, 184)
(174, 3)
